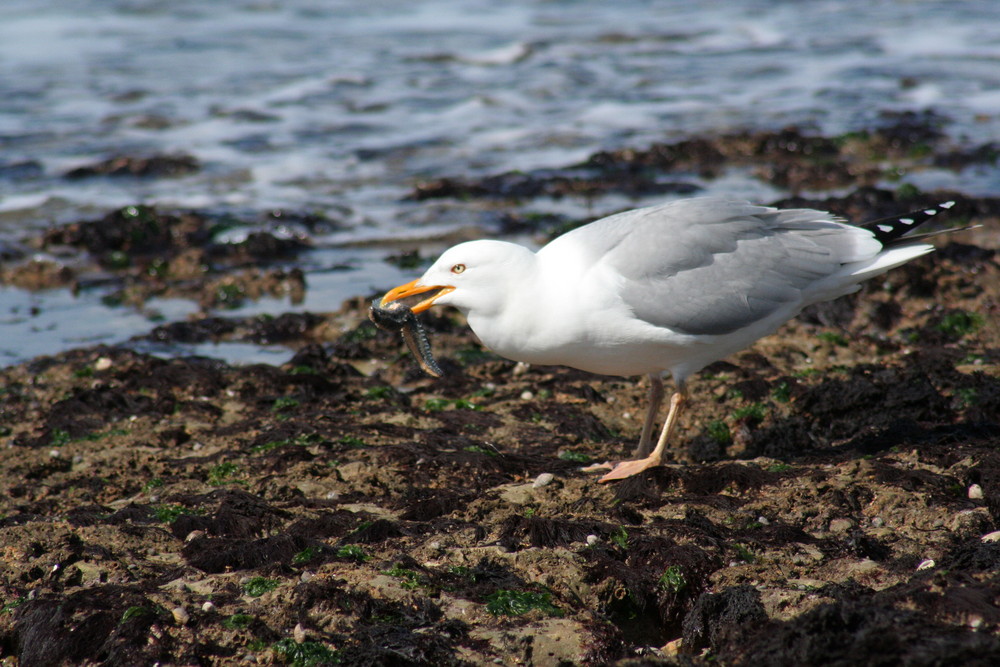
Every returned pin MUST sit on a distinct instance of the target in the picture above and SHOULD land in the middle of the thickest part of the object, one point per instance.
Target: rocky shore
(835, 498)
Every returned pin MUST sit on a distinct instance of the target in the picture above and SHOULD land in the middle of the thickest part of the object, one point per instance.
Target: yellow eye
(458, 268)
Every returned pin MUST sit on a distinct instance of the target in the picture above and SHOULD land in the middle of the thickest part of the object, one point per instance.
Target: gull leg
(629, 468)
(655, 400)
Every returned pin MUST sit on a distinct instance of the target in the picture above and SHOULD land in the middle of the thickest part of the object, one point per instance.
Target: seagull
(666, 289)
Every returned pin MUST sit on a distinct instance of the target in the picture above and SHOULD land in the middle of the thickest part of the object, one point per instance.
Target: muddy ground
(836, 496)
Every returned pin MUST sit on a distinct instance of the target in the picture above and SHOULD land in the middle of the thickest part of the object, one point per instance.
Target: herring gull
(661, 290)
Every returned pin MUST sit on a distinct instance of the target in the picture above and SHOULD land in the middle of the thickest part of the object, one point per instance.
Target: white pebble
(102, 364)
(306, 577)
(592, 540)
(927, 564)
(991, 537)
(975, 492)
(181, 615)
(878, 522)
(208, 606)
(763, 520)
(543, 479)
(526, 395)
(55, 453)
(299, 633)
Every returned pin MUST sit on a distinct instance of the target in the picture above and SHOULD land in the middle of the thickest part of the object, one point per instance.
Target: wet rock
(37, 274)
(155, 166)
(22, 170)
(132, 229)
(788, 158)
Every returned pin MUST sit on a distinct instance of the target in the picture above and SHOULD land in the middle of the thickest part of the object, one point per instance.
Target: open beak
(412, 289)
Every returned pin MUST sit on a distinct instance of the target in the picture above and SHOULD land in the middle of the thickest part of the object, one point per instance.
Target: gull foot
(629, 468)
(594, 467)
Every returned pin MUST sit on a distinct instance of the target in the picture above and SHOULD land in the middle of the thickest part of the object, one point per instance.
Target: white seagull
(663, 289)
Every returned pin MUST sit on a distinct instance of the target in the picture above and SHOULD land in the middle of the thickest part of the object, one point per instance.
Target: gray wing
(712, 266)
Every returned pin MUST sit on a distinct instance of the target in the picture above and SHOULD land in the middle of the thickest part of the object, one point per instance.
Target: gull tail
(891, 230)
(897, 247)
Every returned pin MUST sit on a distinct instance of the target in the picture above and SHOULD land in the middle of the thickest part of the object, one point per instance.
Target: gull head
(474, 276)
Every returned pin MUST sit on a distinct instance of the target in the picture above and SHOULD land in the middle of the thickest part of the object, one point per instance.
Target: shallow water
(342, 108)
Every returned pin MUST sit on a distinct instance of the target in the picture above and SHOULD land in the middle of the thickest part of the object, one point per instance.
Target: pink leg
(655, 400)
(629, 468)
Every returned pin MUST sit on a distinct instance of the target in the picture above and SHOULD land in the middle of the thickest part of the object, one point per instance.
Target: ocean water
(340, 107)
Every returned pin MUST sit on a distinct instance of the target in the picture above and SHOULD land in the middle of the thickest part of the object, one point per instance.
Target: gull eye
(458, 268)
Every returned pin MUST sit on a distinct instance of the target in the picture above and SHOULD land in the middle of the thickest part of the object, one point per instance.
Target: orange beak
(412, 289)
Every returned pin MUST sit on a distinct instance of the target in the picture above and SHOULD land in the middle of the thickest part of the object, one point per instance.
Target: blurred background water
(340, 107)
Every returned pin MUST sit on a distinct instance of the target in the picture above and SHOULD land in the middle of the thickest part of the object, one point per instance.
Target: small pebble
(307, 576)
(992, 537)
(299, 633)
(878, 522)
(520, 369)
(542, 480)
(194, 535)
(102, 364)
(208, 606)
(927, 564)
(55, 453)
(975, 492)
(181, 615)
(763, 520)
(526, 395)
(592, 540)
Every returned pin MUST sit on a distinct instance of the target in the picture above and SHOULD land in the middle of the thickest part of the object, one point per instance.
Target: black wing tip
(887, 230)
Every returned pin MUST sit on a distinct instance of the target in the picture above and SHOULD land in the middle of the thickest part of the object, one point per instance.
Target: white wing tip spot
(907, 221)
(947, 204)
(885, 228)
(930, 211)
